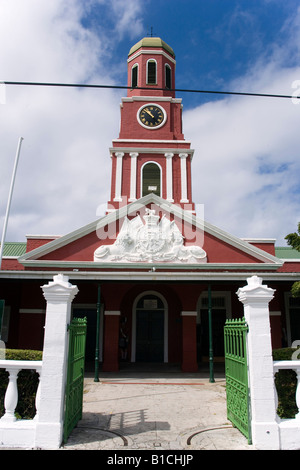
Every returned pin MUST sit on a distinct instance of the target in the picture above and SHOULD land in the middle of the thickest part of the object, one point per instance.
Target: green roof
(152, 42)
(286, 252)
(14, 248)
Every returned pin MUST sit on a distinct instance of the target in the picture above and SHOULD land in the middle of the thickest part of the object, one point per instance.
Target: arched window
(151, 179)
(168, 76)
(151, 72)
(134, 76)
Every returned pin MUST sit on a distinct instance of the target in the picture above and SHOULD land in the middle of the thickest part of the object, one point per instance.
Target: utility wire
(81, 85)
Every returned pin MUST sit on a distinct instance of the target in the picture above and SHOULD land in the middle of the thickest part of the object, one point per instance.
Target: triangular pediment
(149, 230)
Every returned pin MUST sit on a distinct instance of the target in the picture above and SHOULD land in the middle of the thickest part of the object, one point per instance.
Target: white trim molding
(183, 177)
(133, 165)
(188, 314)
(169, 176)
(118, 185)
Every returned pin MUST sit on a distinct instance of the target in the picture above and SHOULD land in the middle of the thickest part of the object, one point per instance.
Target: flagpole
(9, 199)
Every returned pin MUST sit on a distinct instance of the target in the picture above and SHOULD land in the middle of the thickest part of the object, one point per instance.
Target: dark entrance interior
(294, 306)
(150, 329)
(218, 322)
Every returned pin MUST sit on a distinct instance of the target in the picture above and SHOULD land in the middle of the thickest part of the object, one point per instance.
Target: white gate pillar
(59, 294)
(256, 297)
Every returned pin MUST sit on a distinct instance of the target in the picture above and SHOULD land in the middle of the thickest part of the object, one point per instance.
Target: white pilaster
(256, 297)
(118, 186)
(183, 157)
(59, 294)
(133, 156)
(169, 176)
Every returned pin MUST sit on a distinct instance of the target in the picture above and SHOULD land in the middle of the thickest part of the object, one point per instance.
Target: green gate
(236, 370)
(75, 375)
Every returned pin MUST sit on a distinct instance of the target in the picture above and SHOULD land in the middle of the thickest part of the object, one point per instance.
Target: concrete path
(164, 410)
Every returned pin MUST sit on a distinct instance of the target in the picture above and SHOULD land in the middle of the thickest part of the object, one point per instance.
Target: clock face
(151, 116)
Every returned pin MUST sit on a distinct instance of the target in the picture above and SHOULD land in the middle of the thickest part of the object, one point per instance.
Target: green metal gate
(75, 374)
(236, 370)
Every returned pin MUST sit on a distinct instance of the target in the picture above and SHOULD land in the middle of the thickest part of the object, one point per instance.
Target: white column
(169, 176)
(118, 186)
(11, 396)
(183, 176)
(133, 156)
(59, 294)
(256, 297)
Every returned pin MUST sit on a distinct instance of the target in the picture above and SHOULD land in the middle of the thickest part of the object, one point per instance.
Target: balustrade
(289, 365)
(11, 395)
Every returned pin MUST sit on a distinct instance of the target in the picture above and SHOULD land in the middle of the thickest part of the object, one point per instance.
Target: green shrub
(286, 384)
(27, 383)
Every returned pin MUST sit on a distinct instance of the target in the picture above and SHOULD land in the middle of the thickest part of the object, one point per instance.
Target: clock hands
(150, 114)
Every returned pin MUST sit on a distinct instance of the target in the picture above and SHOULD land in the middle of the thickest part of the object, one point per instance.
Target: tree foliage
(293, 239)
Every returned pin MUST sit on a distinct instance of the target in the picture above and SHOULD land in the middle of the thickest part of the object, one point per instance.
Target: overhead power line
(180, 90)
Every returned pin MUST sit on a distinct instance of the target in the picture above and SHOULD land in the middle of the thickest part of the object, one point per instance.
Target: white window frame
(169, 67)
(141, 180)
(147, 72)
(136, 65)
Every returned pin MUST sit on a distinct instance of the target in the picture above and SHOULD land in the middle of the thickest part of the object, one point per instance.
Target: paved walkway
(166, 410)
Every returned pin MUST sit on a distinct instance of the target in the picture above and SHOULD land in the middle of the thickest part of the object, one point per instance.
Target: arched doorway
(149, 328)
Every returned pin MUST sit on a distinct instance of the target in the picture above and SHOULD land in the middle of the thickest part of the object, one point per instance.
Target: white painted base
(49, 435)
(265, 436)
(20, 434)
(290, 434)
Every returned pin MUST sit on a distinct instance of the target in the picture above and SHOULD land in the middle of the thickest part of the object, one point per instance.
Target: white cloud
(247, 155)
(64, 168)
(128, 17)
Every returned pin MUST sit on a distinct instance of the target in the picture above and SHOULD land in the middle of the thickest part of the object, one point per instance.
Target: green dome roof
(152, 42)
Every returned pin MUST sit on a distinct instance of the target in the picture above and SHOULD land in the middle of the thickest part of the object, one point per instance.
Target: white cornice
(291, 260)
(129, 267)
(147, 141)
(259, 240)
(151, 149)
(130, 99)
(151, 52)
(42, 237)
(195, 276)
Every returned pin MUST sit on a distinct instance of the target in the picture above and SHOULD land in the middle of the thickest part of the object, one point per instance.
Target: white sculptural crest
(152, 241)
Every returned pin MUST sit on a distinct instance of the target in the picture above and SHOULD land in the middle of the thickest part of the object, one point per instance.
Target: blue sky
(246, 165)
(215, 41)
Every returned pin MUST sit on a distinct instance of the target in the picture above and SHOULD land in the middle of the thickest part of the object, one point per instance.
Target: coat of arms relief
(154, 240)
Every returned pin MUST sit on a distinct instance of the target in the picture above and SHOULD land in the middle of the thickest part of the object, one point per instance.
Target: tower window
(151, 72)
(151, 179)
(168, 77)
(134, 76)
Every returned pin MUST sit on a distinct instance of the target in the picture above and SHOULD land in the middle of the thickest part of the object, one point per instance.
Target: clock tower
(151, 155)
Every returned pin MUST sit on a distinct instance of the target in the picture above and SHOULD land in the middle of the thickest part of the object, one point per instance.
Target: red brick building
(151, 269)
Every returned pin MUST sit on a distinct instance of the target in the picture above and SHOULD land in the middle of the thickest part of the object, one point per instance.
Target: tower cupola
(151, 66)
